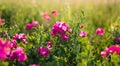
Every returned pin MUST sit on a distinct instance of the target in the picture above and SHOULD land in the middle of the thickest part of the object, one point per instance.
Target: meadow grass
(76, 51)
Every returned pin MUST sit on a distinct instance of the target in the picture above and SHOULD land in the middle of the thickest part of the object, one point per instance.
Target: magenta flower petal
(82, 34)
(100, 31)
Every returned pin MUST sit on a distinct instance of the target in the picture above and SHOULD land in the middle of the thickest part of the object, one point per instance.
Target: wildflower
(100, 31)
(34, 23)
(29, 26)
(46, 16)
(18, 54)
(64, 36)
(103, 54)
(55, 12)
(82, 34)
(4, 49)
(43, 51)
(60, 28)
(111, 49)
(49, 44)
(16, 37)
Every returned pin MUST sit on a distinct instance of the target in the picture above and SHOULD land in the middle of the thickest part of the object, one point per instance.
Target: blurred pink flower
(34, 23)
(46, 16)
(18, 54)
(111, 49)
(4, 49)
(1, 21)
(55, 12)
(21, 37)
(64, 36)
(49, 44)
(29, 26)
(34, 65)
(82, 34)
(22, 57)
(103, 54)
(43, 51)
(100, 31)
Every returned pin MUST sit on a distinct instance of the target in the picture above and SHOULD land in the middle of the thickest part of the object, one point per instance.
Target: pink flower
(34, 23)
(46, 16)
(103, 54)
(4, 49)
(55, 12)
(100, 31)
(18, 54)
(49, 44)
(64, 36)
(29, 26)
(82, 34)
(22, 57)
(117, 40)
(13, 43)
(59, 28)
(111, 49)
(1, 21)
(43, 51)
(21, 37)
(34, 65)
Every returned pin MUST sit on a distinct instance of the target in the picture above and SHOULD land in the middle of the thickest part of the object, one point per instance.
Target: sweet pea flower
(54, 12)
(82, 34)
(100, 31)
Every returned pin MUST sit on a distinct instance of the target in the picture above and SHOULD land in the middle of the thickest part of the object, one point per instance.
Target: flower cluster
(60, 28)
(5, 49)
(100, 31)
(111, 49)
(45, 51)
(18, 54)
(16, 37)
(31, 25)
